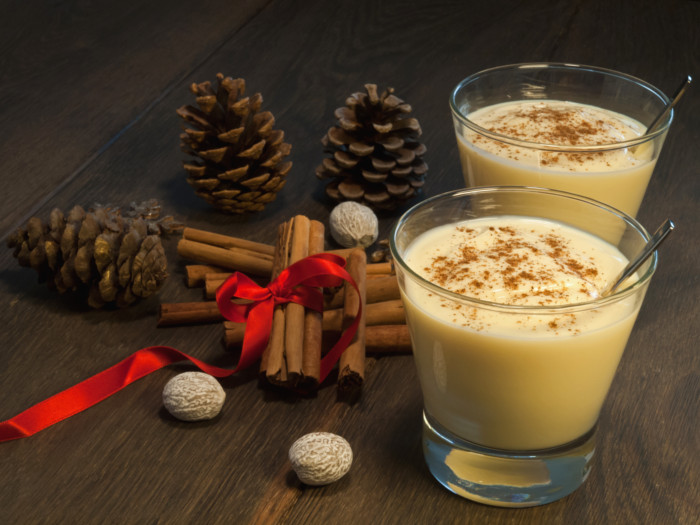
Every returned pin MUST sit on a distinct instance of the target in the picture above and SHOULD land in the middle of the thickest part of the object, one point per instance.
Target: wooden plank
(76, 75)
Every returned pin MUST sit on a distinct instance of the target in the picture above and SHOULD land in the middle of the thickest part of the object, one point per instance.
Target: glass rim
(663, 128)
(620, 294)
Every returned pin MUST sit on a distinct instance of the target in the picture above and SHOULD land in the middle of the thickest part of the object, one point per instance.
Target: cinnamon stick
(171, 314)
(212, 281)
(226, 241)
(341, 252)
(351, 372)
(379, 339)
(195, 273)
(372, 268)
(294, 313)
(379, 289)
(272, 364)
(387, 339)
(385, 312)
(226, 258)
(313, 322)
(392, 339)
(380, 268)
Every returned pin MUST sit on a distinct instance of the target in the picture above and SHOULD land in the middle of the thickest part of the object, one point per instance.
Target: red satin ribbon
(296, 283)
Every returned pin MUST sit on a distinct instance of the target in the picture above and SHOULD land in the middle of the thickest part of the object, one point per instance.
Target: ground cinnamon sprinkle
(514, 260)
(564, 127)
(558, 124)
(506, 262)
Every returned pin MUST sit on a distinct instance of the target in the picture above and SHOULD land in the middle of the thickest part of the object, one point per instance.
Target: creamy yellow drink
(529, 375)
(616, 176)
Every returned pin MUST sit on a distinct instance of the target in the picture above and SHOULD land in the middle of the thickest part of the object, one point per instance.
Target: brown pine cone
(108, 256)
(238, 165)
(376, 157)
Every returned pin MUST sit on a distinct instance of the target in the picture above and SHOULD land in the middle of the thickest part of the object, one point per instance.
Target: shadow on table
(23, 287)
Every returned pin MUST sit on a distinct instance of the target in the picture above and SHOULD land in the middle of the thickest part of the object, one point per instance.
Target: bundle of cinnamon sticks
(299, 336)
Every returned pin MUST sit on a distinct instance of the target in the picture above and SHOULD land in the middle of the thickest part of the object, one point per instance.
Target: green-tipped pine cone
(238, 165)
(376, 156)
(109, 257)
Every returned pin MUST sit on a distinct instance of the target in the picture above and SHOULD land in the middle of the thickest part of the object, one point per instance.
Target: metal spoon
(635, 263)
(674, 100)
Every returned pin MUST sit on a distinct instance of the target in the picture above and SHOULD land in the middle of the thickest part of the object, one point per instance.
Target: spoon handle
(674, 100)
(634, 264)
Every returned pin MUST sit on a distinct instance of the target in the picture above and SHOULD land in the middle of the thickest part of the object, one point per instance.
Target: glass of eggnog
(514, 343)
(569, 127)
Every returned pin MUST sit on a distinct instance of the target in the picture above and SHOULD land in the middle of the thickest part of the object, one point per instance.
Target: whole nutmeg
(353, 225)
(320, 458)
(193, 396)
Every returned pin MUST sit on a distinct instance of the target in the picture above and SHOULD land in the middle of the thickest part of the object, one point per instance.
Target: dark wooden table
(88, 92)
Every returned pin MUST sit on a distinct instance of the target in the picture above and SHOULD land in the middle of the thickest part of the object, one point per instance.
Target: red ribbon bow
(297, 283)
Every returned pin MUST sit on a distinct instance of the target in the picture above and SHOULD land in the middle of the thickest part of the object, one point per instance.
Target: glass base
(503, 478)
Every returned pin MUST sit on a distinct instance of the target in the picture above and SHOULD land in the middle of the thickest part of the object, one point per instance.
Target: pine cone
(110, 257)
(239, 164)
(376, 155)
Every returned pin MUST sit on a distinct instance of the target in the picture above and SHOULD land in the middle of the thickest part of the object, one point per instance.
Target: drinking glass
(614, 171)
(510, 414)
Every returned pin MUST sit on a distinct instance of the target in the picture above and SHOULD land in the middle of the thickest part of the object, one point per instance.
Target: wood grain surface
(88, 93)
